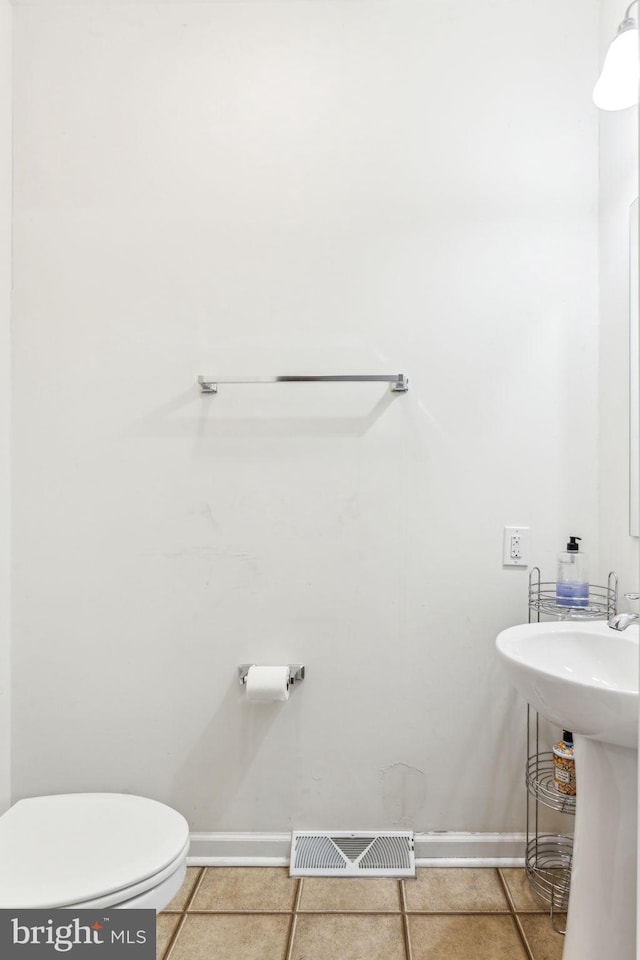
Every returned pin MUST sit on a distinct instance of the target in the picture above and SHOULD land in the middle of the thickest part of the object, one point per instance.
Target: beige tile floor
(255, 913)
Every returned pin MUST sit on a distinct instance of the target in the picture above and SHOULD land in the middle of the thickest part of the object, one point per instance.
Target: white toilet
(91, 850)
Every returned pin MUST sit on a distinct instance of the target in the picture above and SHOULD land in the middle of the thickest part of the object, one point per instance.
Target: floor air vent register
(341, 853)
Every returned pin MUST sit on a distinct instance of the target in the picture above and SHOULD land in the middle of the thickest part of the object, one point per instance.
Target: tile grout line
(174, 936)
(352, 913)
(229, 911)
(514, 914)
(405, 922)
(195, 889)
(294, 920)
(183, 916)
(523, 937)
(506, 891)
(458, 913)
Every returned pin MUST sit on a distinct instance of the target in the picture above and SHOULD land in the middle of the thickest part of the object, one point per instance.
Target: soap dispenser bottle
(572, 586)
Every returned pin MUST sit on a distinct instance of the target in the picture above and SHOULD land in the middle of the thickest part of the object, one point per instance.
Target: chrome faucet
(622, 620)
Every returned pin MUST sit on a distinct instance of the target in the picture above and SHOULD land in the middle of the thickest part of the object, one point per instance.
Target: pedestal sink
(584, 678)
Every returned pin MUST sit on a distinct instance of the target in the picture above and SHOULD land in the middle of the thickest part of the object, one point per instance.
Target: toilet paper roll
(267, 683)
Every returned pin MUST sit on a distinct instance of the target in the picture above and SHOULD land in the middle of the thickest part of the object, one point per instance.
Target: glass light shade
(619, 81)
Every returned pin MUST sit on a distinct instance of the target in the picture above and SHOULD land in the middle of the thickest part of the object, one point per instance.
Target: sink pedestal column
(601, 920)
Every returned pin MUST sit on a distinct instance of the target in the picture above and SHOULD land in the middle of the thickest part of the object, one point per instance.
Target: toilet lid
(62, 850)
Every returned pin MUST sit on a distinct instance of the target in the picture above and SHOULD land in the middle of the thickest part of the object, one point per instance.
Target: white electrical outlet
(515, 547)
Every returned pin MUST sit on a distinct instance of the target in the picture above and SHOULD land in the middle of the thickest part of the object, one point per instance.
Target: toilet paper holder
(296, 672)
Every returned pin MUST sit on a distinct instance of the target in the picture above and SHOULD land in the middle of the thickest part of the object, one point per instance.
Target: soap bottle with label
(564, 766)
(572, 585)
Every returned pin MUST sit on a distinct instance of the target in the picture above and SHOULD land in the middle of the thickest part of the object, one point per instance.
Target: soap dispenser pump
(572, 586)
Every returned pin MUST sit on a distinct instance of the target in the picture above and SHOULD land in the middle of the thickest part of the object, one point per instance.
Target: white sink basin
(584, 678)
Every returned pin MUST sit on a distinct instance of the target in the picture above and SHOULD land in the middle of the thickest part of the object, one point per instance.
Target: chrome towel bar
(399, 383)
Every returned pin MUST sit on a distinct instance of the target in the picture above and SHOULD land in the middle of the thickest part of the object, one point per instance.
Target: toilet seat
(129, 893)
(88, 849)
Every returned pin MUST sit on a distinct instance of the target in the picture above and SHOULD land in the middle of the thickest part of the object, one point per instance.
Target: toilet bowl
(86, 850)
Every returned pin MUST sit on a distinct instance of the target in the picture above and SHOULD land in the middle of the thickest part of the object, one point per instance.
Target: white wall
(5, 398)
(322, 187)
(618, 189)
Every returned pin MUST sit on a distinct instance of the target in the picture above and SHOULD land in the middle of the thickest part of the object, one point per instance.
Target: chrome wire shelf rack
(548, 856)
(541, 784)
(548, 867)
(600, 604)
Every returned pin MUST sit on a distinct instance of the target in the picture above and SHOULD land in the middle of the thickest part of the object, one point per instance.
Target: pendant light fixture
(619, 81)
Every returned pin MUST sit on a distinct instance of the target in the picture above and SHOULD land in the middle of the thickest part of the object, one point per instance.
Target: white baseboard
(432, 849)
